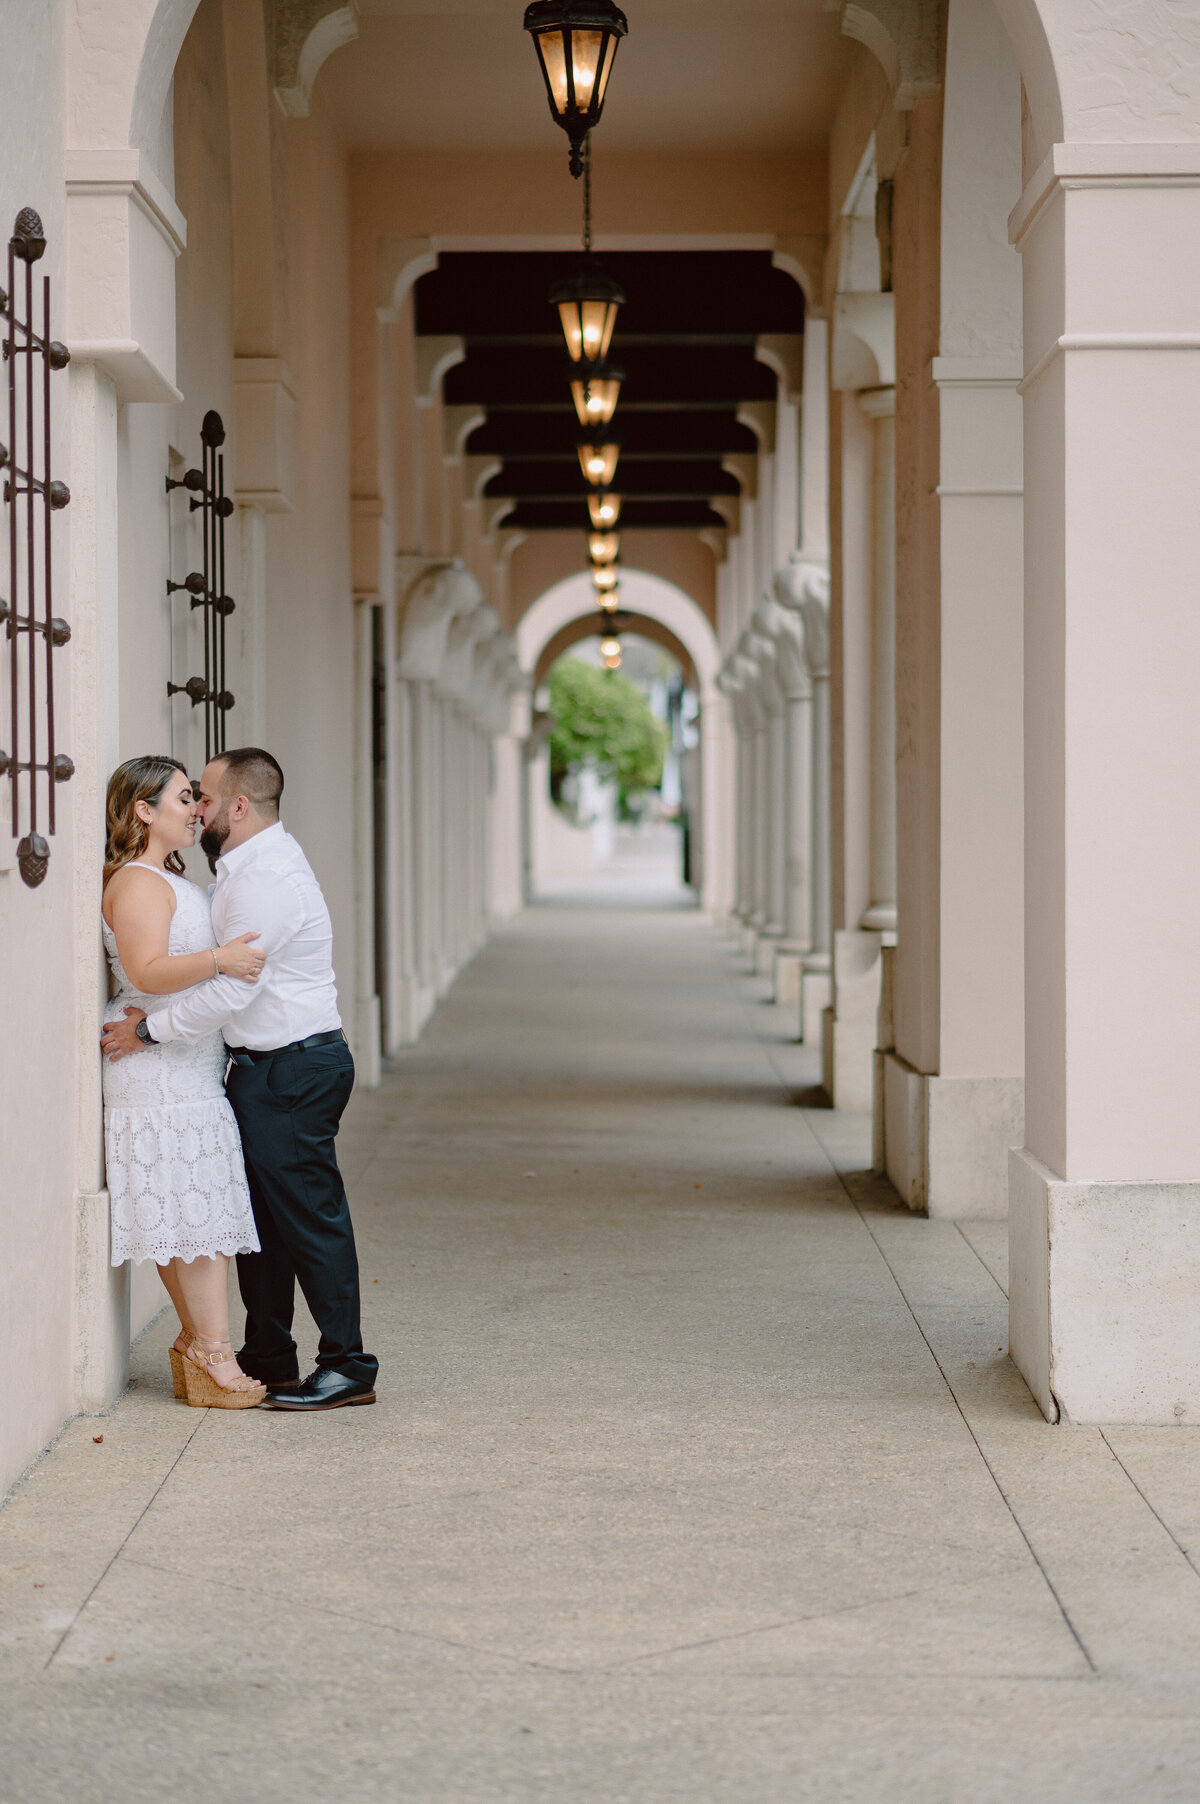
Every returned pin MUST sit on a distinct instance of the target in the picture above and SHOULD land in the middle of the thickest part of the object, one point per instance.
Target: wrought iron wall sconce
(31, 501)
(206, 587)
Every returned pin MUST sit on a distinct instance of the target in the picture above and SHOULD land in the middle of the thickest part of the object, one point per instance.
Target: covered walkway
(699, 1470)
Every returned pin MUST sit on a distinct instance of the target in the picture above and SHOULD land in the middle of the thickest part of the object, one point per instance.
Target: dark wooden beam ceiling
(685, 339)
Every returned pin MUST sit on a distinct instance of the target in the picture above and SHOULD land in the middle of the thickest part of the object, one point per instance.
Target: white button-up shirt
(266, 885)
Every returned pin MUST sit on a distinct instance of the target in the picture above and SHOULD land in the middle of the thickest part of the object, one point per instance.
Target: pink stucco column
(1105, 1193)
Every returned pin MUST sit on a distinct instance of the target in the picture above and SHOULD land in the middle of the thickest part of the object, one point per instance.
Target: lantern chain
(587, 195)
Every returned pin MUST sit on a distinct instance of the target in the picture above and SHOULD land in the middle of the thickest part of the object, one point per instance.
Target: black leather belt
(250, 1055)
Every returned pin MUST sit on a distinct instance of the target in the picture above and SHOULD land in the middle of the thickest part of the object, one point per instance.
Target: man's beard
(212, 840)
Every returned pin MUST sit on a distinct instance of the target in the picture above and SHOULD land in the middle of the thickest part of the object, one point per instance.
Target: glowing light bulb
(605, 510)
(599, 462)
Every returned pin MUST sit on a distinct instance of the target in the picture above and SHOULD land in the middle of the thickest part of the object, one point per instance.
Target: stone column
(424, 753)
(450, 829)
(1105, 1194)
(862, 375)
(718, 805)
(777, 849)
(803, 587)
(477, 920)
(366, 1027)
(440, 912)
(796, 683)
(802, 513)
(746, 753)
(815, 978)
(792, 812)
(402, 1027)
(952, 1066)
(762, 820)
(879, 405)
(506, 824)
(771, 812)
(730, 685)
(431, 663)
(752, 765)
(869, 903)
(102, 1299)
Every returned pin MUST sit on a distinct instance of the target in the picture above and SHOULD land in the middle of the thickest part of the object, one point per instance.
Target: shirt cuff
(158, 1026)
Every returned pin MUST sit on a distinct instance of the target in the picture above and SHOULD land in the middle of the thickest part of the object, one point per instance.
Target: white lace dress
(175, 1173)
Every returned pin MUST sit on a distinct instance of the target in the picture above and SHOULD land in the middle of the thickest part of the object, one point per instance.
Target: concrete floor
(698, 1472)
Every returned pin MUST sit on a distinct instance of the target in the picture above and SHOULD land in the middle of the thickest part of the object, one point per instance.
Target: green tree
(603, 719)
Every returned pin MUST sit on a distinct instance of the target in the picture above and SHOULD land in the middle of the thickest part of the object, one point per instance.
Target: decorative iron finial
(28, 242)
(33, 855)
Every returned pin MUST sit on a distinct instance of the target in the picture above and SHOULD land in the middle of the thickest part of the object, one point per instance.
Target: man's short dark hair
(253, 773)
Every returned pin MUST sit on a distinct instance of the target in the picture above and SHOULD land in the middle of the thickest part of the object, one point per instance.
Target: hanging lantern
(576, 41)
(599, 462)
(605, 510)
(605, 578)
(610, 652)
(587, 302)
(609, 603)
(604, 547)
(595, 391)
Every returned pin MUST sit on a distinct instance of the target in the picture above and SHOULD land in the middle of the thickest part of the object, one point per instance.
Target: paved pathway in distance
(699, 1471)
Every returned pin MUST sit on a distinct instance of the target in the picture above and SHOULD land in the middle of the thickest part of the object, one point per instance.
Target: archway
(641, 626)
(659, 604)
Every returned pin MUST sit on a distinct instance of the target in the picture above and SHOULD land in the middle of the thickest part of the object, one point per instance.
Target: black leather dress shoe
(323, 1389)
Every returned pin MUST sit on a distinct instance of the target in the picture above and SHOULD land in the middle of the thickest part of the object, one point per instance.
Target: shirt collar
(240, 855)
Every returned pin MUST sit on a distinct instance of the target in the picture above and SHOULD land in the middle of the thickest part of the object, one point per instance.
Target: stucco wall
(310, 627)
(308, 643)
(37, 1098)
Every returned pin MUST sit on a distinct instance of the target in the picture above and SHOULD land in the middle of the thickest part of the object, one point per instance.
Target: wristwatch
(143, 1033)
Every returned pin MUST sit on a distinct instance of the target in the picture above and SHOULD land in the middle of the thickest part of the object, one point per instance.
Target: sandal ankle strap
(211, 1352)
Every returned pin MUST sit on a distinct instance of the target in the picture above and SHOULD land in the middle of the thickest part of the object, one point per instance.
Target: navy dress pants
(288, 1108)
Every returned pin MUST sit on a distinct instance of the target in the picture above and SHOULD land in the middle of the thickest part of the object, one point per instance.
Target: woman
(175, 1172)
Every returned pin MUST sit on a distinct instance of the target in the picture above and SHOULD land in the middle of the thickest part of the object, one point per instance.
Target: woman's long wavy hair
(137, 780)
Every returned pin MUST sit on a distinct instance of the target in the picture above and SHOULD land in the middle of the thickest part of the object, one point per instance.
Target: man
(289, 1080)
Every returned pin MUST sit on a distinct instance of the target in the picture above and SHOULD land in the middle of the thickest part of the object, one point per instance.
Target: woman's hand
(237, 958)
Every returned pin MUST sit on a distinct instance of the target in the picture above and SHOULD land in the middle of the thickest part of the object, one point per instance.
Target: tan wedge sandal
(203, 1391)
(178, 1375)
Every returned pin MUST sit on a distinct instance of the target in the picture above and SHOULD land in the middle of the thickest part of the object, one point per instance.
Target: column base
(787, 973)
(946, 1139)
(816, 985)
(367, 1029)
(1104, 1282)
(848, 1049)
(767, 940)
(415, 1002)
(101, 1308)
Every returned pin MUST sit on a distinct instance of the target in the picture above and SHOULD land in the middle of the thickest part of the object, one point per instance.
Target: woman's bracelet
(216, 962)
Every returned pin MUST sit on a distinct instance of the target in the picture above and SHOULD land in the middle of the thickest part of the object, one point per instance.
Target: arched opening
(661, 616)
(612, 780)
